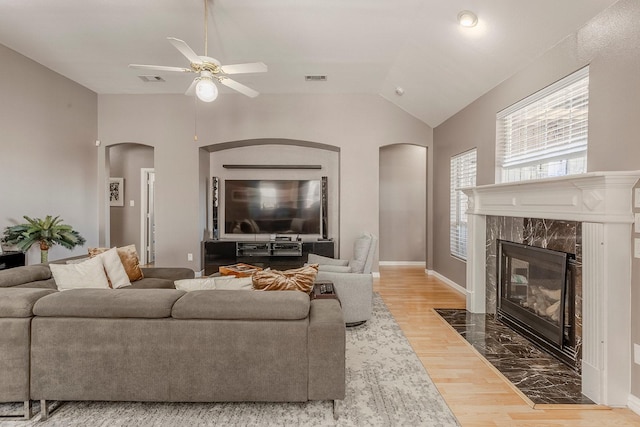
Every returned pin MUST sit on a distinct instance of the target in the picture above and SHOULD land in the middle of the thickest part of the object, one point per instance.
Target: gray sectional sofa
(167, 345)
(39, 276)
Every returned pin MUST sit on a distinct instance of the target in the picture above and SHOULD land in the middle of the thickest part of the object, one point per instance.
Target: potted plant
(47, 232)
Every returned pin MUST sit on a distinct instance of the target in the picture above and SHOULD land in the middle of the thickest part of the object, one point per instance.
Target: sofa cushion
(88, 274)
(21, 275)
(42, 284)
(151, 283)
(234, 305)
(110, 303)
(323, 260)
(335, 268)
(299, 279)
(19, 302)
(360, 253)
(169, 273)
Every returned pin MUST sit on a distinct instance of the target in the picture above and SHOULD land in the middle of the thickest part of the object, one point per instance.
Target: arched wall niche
(272, 152)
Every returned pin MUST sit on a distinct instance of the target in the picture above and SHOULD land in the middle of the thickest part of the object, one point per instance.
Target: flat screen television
(272, 207)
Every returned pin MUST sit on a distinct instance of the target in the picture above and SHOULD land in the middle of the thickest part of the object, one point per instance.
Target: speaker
(324, 187)
(215, 184)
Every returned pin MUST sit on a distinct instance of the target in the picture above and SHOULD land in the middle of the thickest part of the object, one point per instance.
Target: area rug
(386, 386)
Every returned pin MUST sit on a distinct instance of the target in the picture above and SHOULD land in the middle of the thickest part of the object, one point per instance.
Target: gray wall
(126, 160)
(48, 128)
(609, 44)
(403, 194)
(357, 124)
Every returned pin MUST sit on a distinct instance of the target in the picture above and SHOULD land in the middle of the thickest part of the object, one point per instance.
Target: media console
(279, 255)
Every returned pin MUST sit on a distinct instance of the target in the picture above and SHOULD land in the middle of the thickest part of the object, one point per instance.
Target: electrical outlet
(132, 203)
(189, 257)
(636, 353)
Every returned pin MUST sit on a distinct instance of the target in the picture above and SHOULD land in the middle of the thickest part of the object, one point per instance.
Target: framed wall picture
(116, 191)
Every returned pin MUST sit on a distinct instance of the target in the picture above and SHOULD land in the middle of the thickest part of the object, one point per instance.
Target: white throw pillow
(114, 268)
(234, 283)
(87, 274)
(195, 284)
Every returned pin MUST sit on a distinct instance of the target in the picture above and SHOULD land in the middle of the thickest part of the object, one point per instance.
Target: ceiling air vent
(315, 78)
(151, 79)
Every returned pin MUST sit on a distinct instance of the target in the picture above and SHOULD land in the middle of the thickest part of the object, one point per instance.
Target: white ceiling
(363, 46)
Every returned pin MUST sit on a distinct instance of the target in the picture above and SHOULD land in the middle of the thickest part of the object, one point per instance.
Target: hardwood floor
(477, 395)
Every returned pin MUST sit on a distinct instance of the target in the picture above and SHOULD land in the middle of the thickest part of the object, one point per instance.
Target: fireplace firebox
(536, 296)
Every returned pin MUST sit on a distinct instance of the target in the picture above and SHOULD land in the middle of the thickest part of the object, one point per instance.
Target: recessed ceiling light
(468, 19)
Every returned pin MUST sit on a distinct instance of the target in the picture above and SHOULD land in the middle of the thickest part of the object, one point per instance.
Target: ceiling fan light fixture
(206, 90)
(467, 19)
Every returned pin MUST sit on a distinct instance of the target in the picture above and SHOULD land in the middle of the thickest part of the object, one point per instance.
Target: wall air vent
(316, 78)
(151, 79)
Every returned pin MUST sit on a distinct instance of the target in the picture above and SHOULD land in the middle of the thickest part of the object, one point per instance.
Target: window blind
(463, 174)
(546, 133)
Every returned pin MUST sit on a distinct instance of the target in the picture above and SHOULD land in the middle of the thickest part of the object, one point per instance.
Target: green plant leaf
(51, 231)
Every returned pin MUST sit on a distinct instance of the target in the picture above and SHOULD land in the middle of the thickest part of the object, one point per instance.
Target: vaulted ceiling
(362, 46)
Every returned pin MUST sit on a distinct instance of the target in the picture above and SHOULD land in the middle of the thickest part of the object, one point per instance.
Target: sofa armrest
(327, 343)
(355, 291)
(169, 273)
(323, 260)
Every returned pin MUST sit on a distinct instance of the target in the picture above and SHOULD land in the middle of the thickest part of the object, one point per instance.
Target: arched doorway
(131, 221)
(403, 203)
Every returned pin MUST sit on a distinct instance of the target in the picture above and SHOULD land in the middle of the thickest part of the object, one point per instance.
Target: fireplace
(602, 202)
(536, 297)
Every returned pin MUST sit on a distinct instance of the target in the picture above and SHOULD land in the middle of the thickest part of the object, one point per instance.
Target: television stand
(279, 255)
(282, 248)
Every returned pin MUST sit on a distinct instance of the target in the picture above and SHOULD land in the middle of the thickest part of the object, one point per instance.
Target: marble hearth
(598, 207)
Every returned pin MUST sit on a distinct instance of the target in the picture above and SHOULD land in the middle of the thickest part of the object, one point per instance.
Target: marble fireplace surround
(602, 203)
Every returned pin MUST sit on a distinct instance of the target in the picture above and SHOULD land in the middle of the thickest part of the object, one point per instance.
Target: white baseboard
(413, 263)
(448, 281)
(634, 403)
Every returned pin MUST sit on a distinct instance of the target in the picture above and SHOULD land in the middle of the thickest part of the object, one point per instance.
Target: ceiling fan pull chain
(195, 119)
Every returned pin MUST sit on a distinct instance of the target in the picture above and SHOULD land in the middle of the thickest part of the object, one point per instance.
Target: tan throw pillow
(129, 257)
(299, 279)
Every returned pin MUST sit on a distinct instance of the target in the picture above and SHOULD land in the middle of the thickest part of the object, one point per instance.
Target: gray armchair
(352, 279)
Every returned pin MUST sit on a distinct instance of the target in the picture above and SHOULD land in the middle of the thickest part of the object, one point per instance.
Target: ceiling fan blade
(192, 88)
(254, 67)
(161, 68)
(185, 50)
(245, 90)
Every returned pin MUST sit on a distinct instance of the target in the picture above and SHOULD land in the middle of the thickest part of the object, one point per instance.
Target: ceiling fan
(208, 69)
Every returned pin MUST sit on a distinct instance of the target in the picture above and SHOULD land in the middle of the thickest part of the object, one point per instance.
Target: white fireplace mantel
(602, 202)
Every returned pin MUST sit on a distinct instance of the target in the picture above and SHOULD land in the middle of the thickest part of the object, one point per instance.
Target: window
(463, 174)
(545, 134)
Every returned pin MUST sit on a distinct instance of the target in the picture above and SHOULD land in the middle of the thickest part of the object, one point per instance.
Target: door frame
(144, 212)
